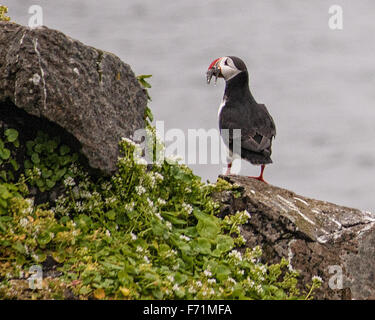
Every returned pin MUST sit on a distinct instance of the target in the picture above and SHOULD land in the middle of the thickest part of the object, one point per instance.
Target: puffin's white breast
(222, 105)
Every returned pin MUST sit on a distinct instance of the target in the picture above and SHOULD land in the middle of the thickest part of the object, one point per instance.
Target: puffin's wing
(256, 124)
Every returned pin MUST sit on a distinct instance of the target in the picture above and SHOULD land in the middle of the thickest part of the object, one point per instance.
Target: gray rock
(318, 238)
(88, 92)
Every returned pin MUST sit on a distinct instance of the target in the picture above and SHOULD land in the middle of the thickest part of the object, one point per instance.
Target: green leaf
(39, 148)
(4, 153)
(51, 145)
(11, 134)
(46, 173)
(44, 238)
(14, 164)
(111, 215)
(59, 174)
(29, 147)
(142, 80)
(64, 150)
(202, 245)
(222, 272)
(207, 226)
(224, 243)
(50, 183)
(64, 160)
(28, 164)
(35, 158)
(149, 114)
(19, 247)
(4, 192)
(3, 203)
(16, 143)
(3, 175)
(40, 183)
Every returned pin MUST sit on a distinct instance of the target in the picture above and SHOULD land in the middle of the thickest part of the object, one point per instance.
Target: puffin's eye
(226, 62)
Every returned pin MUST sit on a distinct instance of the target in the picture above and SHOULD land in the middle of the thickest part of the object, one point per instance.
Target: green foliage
(9, 142)
(3, 12)
(140, 234)
(146, 85)
(48, 161)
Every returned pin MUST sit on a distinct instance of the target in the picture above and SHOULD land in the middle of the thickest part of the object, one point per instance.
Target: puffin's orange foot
(259, 179)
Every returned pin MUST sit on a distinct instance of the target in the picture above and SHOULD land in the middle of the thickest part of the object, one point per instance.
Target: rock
(318, 238)
(89, 93)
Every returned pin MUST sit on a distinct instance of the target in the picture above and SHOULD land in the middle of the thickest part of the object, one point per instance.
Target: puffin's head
(225, 67)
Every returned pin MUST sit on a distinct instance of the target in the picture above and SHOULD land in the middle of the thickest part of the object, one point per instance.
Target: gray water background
(317, 83)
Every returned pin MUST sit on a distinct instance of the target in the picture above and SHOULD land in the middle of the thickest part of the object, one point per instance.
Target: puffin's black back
(241, 111)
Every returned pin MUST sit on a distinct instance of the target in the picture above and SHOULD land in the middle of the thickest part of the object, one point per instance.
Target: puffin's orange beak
(214, 70)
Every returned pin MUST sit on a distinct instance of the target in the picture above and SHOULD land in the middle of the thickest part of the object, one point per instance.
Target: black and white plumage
(239, 110)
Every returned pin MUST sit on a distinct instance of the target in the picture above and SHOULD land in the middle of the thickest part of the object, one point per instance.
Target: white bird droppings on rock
(35, 79)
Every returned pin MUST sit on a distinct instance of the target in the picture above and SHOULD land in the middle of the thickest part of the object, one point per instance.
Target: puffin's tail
(256, 158)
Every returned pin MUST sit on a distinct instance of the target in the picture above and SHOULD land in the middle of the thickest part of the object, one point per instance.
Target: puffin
(239, 110)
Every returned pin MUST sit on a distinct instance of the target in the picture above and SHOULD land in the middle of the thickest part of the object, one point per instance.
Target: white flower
(211, 281)
(198, 284)
(75, 233)
(263, 269)
(69, 182)
(207, 273)
(161, 202)
(192, 290)
(85, 194)
(141, 161)
(247, 214)
(152, 180)
(236, 255)
(159, 216)
(250, 282)
(158, 176)
(129, 206)
(133, 236)
(169, 225)
(173, 159)
(259, 289)
(139, 249)
(187, 207)
(170, 278)
(107, 233)
(24, 222)
(145, 258)
(128, 141)
(150, 202)
(176, 287)
(317, 278)
(140, 190)
(183, 237)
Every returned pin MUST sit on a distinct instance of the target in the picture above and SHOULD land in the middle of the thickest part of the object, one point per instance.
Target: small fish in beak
(213, 70)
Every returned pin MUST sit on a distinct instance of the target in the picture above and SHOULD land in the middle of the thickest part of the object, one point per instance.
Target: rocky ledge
(318, 238)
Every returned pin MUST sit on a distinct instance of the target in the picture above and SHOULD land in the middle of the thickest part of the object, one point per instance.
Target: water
(317, 83)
